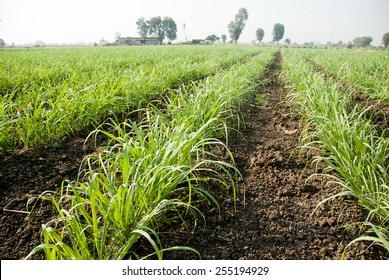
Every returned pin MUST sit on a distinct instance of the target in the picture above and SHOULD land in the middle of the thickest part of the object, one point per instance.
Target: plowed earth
(274, 216)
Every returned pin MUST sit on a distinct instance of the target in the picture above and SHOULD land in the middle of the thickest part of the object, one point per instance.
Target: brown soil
(25, 176)
(274, 216)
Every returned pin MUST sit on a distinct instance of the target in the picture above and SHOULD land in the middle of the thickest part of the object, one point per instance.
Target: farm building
(137, 41)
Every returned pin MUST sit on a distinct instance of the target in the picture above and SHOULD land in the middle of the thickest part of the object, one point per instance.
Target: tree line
(167, 28)
(162, 28)
(158, 27)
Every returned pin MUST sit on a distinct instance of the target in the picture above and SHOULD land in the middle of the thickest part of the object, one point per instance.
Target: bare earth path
(273, 220)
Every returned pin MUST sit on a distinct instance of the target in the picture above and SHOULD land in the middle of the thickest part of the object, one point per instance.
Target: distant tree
(278, 32)
(2, 43)
(224, 38)
(236, 27)
(260, 34)
(288, 41)
(103, 42)
(171, 28)
(196, 42)
(212, 38)
(362, 42)
(385, 39)
(163, 28)
(143, 27)
(39, 44)
(339, 44)
(156, 29)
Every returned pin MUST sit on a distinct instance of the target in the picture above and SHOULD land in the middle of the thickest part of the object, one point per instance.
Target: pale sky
(73, 21)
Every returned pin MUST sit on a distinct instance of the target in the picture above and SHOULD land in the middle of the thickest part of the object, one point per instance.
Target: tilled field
(274, 216)
(276, 219)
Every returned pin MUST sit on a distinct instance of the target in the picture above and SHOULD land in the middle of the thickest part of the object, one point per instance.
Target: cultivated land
(228, 195)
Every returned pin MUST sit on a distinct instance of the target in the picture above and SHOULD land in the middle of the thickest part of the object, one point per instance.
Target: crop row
(347, 140)
(366, 71)
(152, 172)
(48, 94)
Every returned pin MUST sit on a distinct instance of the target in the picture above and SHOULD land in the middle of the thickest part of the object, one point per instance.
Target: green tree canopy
(278, 32)
(170, 27)
(260, 33)
(236, 27)
(158, 27)
(143, 27)
(224, 38)
(362, 42)
(385, 39)
(212, 38)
